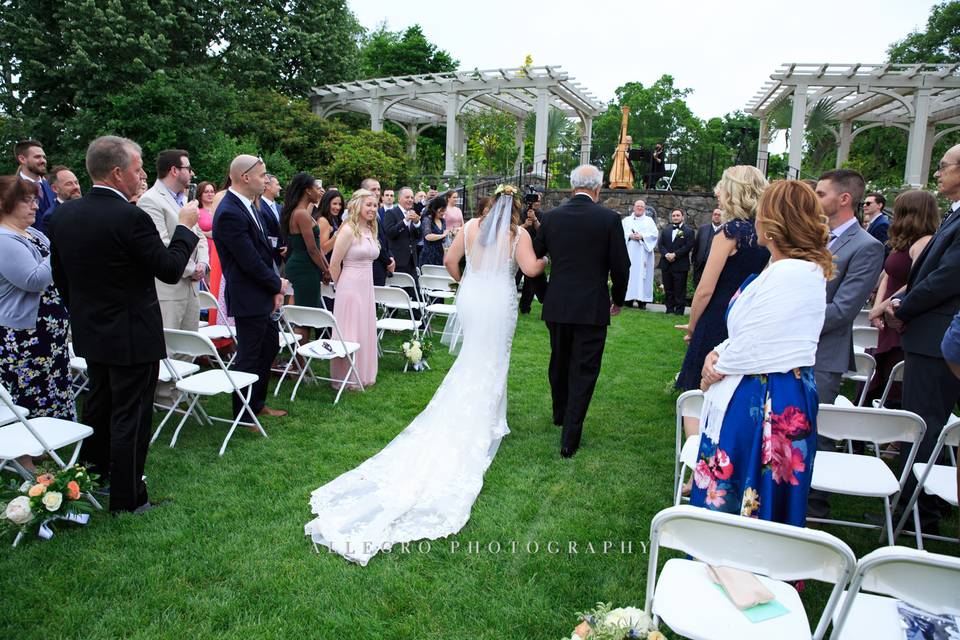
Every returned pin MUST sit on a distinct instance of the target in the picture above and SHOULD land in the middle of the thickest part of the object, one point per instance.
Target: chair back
(207, 301)
(896, 375)
(862, 319)
(7, 401)
(327, 290)
(393, 296)
(865, 364)
(950, 435)
(314, 317)
(866, 424)
(774, 549)
(435, 283)
(434, 270)
(926, 580)
(400, 279)
(865, 337)
(189, 343)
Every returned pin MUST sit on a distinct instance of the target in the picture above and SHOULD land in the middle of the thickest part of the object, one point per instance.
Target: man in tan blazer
(163, 201)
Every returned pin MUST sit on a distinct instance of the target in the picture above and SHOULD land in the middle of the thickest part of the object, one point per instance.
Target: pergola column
(586, 140)
(928, 141)
(413, 132)
(520, 136)
(846, 136)
(453, 105)
(461, 139)
(540, 135)
(763, 144)
(376, 114)
(797, 132)
(916, 142)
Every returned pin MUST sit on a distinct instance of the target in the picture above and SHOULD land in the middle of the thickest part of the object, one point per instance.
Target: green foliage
(386, 53)
(939, 43)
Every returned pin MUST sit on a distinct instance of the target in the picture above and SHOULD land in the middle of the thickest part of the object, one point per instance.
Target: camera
(531, 197)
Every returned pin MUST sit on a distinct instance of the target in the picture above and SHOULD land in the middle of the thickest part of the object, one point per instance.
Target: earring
(767, 236)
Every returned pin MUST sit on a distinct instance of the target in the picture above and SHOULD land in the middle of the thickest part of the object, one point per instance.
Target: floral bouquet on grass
(604, 623)
(55, 495)
(416, 353)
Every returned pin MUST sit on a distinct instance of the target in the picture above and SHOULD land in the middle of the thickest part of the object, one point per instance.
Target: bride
(423, 484)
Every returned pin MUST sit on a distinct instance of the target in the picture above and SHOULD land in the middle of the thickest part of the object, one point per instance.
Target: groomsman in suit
(270, 215)
(857, 260)
(254, 288)
(879, 221)
(32, 167)
(923, 313)
(402, 225)
(675, 244)
(586, 246)
(105, 255)
(701, 250)
(386, 203)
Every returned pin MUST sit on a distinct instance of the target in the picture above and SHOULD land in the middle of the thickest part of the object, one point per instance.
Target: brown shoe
(273, 413)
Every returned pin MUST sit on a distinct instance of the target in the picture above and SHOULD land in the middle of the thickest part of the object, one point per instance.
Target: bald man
(254, 286)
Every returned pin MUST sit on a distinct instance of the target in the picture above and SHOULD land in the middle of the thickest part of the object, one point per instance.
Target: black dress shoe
(642, 306)
(567, 453)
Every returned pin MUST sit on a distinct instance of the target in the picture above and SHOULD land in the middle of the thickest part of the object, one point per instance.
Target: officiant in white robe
(640, 232)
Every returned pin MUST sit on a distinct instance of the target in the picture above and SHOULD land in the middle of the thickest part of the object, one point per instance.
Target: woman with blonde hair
(734, 255)
(351, 266)
(760, 404)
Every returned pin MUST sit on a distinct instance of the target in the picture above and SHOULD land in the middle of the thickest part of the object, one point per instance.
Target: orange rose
(45, 479)
(73, 490)
(37, 490)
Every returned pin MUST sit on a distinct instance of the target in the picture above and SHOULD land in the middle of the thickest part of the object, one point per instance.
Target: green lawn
(227, 556)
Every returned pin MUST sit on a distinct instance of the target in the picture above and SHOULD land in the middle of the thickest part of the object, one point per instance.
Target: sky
(723, 51)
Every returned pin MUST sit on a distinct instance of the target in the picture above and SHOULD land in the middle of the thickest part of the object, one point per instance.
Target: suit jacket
(932, 297)
(46, 203)
(880, 227)
(701, 249)
(403, 241)
(586, 245)
(105, 256)
(381, 261)
(857, 261)
(681, 245)
(271, 225)
(247, 259)
(165, 213)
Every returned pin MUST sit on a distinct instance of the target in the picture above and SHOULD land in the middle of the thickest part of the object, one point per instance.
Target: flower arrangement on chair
(416, 354)
(604, 623)
(55, 494)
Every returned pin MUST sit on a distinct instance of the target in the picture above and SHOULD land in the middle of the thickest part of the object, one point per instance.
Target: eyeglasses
(187, 168)
(944, 165)
(251, 167)
(31, 200)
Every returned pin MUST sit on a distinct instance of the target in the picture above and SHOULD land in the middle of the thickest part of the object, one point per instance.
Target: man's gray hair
(107, 152)
(367, 182)
(586, 176)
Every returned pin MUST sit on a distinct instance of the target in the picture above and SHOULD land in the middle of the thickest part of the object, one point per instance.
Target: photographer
(530, 220)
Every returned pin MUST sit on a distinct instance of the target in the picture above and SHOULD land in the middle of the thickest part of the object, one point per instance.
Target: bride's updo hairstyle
(792, 219)
(506, 191)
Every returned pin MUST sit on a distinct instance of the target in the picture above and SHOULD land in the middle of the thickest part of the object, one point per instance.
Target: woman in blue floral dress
(759, 419)
(34, 360)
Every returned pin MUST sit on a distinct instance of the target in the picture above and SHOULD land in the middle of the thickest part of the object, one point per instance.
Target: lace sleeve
(742, 232)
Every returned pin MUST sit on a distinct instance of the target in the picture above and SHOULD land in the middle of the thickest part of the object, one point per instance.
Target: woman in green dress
(306, 266)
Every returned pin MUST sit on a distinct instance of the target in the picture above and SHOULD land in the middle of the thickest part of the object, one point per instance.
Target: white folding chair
(436, 288)
(896, 375)
(667, 180)
(864, 475)
(393, 298)
(687, 600)
(434, 270)
(928, 581)
(935, 479)
(865, 338)
(323, 349)
(866, 366)
(79, 380)
(862, 319)
(37, 436)
(207, 300)
(403, 281)
(689, 405)
(208, 383)
(327, 290)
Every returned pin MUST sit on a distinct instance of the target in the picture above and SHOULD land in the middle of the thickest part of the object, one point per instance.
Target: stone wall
(697, 205)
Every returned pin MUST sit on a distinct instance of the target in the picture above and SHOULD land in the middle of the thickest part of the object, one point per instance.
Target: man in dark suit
(675, 244)
(879, 226)
(923, 313)
(383, 263)
(254, 287)
(105, 255)
(537, 285)
(270, 218)
(32, 167)
(586, 245)
(402, 225)
(701, 250)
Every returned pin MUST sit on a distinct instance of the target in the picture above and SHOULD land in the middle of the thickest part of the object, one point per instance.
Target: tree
(939, 43)
(385, 53)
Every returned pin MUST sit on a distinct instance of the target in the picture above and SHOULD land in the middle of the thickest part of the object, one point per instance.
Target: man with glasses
(179, 304)
(876, 218)
(922, 313)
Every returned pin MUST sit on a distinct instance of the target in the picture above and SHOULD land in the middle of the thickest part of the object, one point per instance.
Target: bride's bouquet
(604, 623)
(56, 494)
(416, 353)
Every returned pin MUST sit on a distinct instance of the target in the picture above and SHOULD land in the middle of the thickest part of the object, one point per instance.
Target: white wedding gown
(423, 484)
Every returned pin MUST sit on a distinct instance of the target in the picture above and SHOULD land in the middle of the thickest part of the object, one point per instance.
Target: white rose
(25, 486)
(415, 354)
(630, 617)
(406, 345)
(52, 500)
(18, 511)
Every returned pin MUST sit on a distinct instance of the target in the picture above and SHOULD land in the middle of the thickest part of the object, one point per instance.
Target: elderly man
(106, 254)
(255, 289)
(586, 247)
(640, 232)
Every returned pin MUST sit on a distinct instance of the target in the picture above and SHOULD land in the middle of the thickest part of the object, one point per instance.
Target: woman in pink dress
(351, 266)
(453, 216)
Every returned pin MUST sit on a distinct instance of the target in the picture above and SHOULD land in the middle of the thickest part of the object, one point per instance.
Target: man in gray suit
(858, 259)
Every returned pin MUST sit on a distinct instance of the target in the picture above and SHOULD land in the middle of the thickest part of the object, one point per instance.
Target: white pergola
(923, 99)
(436, 99)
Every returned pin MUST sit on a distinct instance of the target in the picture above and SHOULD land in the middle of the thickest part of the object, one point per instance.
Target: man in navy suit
(33, 168)
(270, 216)
(879, 228)
(254, 287)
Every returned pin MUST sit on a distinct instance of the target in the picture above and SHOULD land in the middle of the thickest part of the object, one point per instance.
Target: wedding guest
(701, 250)
(206, 191)
(453, 215)
(419, 201)
(760, 407)
(675, 243)
(434, 229)
(328, 215)
(355, 249)
(876, 219)
(915, 220)
(735, 254)
(306, 264)
(32, 167)
(33, 318)
(65, 184)
(483, 206)
(402, 224)
(386, 203)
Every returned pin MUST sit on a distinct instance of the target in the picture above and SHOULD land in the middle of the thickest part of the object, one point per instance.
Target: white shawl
(774, 326)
